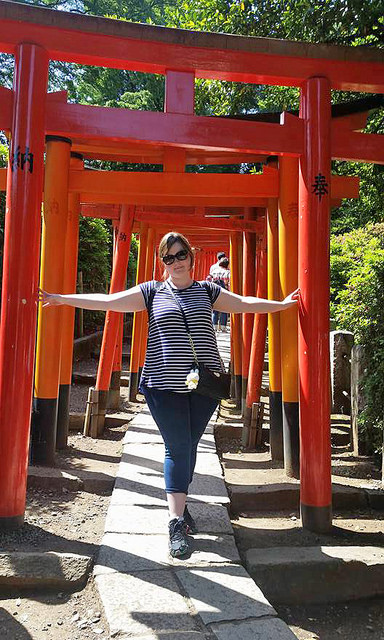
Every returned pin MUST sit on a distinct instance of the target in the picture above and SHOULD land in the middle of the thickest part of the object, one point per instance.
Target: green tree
(357, 289)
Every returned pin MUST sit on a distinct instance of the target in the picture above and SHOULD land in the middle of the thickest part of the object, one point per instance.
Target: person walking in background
(219, 256)
(180, 412)
(221, 276)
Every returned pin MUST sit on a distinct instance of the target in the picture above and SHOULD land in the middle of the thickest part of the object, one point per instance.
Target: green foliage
(357, 292)
(151, 11)
(95, 259)
(132, 262)
(349, 22)
(95, 253)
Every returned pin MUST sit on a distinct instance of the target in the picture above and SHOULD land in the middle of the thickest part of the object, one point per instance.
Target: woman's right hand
(49, 299)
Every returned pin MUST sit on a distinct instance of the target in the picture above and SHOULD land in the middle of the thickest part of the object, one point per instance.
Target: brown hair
(169, 240)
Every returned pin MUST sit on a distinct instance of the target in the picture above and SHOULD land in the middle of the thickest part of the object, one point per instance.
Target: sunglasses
(180, 255)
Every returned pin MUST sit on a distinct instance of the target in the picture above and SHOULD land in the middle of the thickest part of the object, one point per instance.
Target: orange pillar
(20, 277)
(207, 265)
(158, 268)
(148, 275)
(48, 346)
(256, 364)
(314, 368)
(249, 289)
(234, 258)
(274, 350)
(196, 268)
(68, 313)
(112, 318)
(114, 387)
(288, 236)
(139, 317)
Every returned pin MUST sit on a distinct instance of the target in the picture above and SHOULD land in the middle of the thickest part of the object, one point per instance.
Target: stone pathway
(147, 594)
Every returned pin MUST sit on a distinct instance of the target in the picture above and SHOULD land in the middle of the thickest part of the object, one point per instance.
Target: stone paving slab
(354, 572)
(208, 463)
(148, 519)
(210, 518)
(145, 479)
(127, 492)
(147, 459)
(148, 595)
(146, 602)
(147, 432)
(224, 593)
(203, 489)
(137, 433)
(48, 570)
(178, 635)
(206, 488)
(136, 519)
(265, 629)
(133, 553)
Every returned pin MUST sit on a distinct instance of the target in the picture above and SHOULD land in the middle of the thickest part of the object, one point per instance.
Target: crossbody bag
(215, 384)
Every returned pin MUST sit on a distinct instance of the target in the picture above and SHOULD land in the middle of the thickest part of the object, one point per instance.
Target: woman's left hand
(292, 299)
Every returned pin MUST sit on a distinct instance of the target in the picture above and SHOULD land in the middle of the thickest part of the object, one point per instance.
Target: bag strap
(185, 322)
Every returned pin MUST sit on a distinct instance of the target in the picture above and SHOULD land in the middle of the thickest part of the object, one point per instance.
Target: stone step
(262, 530)
(90, 379)
(322, 574)
(340, 437)
(126, 354)
(49, 571)
(50, 478)
(286, 496)
(76, 420)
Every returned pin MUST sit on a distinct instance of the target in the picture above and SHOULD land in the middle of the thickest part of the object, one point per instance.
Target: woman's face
(179, 267)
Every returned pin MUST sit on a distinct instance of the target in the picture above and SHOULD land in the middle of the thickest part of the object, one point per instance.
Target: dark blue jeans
(181, 418)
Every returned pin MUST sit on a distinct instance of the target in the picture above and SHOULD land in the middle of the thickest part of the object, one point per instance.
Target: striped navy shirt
(169, 356)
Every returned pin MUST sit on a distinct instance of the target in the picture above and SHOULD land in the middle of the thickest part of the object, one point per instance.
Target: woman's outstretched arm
(123, 301)
(232, 303)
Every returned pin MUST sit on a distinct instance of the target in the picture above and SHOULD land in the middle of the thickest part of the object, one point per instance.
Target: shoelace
(177, 530)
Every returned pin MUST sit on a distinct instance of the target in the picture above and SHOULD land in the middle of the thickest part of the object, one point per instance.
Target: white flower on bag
(192, 379)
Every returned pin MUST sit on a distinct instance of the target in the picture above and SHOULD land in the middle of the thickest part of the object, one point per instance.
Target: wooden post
(236, 318)
(139, 317)
(112, 318)
(68, 313)
(274, 352)
(20, 277)
(314, 370)
(249, 289)
(256, 363)
(288, 237)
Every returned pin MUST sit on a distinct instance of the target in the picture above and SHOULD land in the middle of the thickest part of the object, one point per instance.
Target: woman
(180, 413)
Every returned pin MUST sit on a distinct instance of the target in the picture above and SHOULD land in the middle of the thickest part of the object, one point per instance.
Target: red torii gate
(37, 35)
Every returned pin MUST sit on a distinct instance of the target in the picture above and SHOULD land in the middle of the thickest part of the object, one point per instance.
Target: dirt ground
(64, 521)
(359, 620)
(67, 522)
(34, 615)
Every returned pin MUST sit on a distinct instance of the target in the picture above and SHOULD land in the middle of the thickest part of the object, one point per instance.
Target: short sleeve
(147, 289)
(213, 290)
